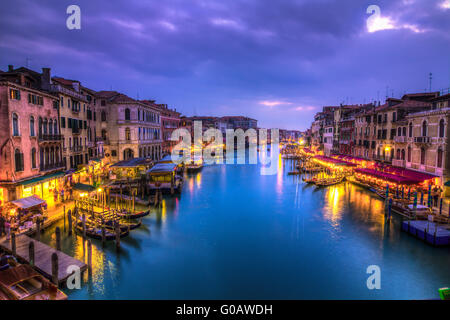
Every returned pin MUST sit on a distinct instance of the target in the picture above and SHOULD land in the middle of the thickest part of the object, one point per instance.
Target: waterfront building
(97, 118)
(73, 119)
(31, 149)
(170, 120)
(328, 137)
(132, 129)
(427, 140)
(241, 122)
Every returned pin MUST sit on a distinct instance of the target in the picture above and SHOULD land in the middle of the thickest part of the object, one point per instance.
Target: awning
(162, 168)
(41, 179)
(28, 202)
(167, 158)
(84, 187)
(132, 163)
(387, 176)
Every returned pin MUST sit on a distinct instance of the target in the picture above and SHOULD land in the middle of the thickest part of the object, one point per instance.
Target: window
(410, 130)
(127, 134)
(55, 127)
(404, 131)
(409, 154)
(62, 102)
(33, 158)
(18, 160)
(424, 129)
(127, 114)
(103, 116)
(439, 158)
(441, 128)
(14, 94)
(113, 153)
(403, 154)
(50, 127)
(63, 122)
(422, 156)
(15, 120)
(32, 132)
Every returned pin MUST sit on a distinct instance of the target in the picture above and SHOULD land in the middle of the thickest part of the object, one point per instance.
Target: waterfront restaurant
(132, 168)
(360, 162)
(44, 187)
(334, 165)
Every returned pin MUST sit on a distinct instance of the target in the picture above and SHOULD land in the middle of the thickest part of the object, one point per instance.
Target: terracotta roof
(63, 81)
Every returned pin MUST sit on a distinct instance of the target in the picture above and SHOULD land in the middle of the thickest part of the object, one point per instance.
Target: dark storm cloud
(217, 57)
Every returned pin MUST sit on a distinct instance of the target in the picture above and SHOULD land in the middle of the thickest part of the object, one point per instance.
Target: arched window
(103, 134)
(422, 155)
(45, 126)
(399, 131)
(55, 127)
(33, 158)
(410, 130)
(404, 131)
(424, 129)
(441, 128)
(15, 120)
(40, 126)
(127, 134)
(398, 154)
(127, 114)
(439, 158)
(104, 115)
(18, 160)
(50, 127)
(403, 154)
(32, 133)
(409, 154)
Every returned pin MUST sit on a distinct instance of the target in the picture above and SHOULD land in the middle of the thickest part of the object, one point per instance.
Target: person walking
(62, 194)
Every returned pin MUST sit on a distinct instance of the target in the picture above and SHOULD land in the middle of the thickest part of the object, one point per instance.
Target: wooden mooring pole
(31, 253)
(89, 257)
(13, 244)
(69, 218)
(55, 267)
(58, 238)
(38, 229)
(117, 227)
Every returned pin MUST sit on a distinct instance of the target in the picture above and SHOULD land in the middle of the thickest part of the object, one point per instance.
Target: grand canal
(236, 234)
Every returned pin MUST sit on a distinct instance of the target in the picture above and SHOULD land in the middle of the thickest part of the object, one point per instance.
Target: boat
(96, 232)
(310, 180)
(194, 165)
(329, 182)
(133, 215)
(292, 173)
(23, 283)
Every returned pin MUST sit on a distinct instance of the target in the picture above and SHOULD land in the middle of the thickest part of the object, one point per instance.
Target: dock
(428, 231)
(42, 257)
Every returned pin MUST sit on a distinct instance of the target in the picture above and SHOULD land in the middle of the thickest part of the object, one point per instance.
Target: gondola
(329, 182)
(312, 180)
(134, 215)
(96, 233)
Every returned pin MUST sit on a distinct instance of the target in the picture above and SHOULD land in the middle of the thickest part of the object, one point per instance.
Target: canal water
(236, 234)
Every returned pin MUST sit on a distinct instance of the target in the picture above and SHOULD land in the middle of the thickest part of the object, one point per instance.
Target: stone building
(130, 128)
(29, 136)
(73, 106)
(427, 140)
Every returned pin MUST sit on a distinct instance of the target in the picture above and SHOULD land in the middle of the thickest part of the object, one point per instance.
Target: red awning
(387, 176)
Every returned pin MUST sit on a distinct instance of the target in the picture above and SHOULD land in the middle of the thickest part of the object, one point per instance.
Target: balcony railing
(400, 139)
(51, 166)
(76, 148)
(398, 163)
(422, 139)
(50, 137)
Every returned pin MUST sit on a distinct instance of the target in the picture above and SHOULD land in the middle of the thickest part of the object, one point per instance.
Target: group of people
(62, 194)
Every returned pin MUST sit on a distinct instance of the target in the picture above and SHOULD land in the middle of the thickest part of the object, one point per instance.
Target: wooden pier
(427, 231)
(42, 257)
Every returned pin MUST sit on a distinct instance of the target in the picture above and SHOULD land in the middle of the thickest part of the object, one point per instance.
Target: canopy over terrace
(162, 168)
(388, 176)
(331, 162)
(307, 152)
(407, 173)
(356, 160)
(131, 168)
(28, 202)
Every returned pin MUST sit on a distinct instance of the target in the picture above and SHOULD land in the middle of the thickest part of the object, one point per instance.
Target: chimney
(46, 75)
(10, 68)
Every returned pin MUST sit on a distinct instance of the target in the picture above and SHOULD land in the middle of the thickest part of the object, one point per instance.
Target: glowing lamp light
(99, 190)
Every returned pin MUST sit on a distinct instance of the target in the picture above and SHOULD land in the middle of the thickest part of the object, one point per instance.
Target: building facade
(131, 128)
(31, 149)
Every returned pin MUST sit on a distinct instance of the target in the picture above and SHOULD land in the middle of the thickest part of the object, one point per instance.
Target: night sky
(277, 61)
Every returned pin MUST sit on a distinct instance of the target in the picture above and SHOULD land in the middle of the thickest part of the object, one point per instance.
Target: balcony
(422, 140)
(51, 166)
(50, 137)
(400, 139)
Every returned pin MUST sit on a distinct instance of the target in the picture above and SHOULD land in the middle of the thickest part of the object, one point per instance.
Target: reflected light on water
(279, 187)
(198, 180)
(333, 208)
